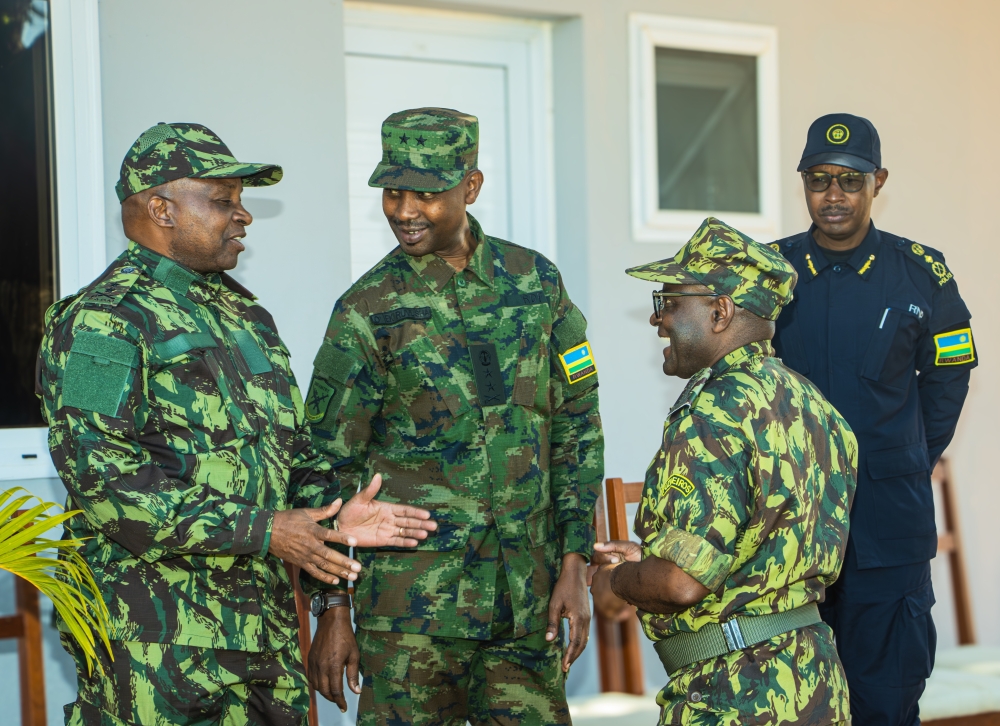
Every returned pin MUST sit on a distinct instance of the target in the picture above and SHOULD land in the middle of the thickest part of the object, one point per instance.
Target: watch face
(318, 605)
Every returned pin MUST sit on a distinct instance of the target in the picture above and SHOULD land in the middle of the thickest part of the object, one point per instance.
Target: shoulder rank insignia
(681, 484)
(578, 362)
(775, 246)
(111, 291)
(954, 348)
(937, 268)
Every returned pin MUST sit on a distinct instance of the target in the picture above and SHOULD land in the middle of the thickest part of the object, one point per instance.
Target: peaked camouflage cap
(167, 152)
(728, 262)
(427, 150)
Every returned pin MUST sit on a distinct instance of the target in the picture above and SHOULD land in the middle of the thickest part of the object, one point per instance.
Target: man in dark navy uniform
(878, 325)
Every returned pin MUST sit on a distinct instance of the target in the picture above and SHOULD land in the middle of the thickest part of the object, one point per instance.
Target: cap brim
(667, 271)
(390, 176)
(839, 158)
(253, 175)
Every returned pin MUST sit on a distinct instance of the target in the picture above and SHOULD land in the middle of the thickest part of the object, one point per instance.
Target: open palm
(383, 524)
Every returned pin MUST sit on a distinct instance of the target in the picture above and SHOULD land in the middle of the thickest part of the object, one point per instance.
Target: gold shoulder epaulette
(937, 268)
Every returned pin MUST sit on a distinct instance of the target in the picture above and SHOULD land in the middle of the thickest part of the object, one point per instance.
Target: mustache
(410, 226)
(834, 209)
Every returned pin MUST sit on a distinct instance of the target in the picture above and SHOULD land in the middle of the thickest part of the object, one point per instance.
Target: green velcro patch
(183, 343)
(98, 371)
(334, 364)
(252, 354)
(321, 392)
(571, 330)
(173, 276)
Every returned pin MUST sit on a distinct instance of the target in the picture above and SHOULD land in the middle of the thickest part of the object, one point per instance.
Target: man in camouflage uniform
(459, 370)
(177, 427)
(744, 515)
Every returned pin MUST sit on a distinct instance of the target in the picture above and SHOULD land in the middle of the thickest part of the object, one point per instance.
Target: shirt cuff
(693, 554)
(577, 538)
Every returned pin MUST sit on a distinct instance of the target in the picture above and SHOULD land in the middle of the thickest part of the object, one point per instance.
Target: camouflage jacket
(750, 491)
(177, 427)
(451, 385)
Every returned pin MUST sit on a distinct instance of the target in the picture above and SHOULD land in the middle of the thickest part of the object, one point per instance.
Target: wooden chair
(303, 610)
(619, 652)
(950, 544)
(26, 626)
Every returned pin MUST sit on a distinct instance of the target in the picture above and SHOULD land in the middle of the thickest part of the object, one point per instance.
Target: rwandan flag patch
(954, 347)
(578, 362)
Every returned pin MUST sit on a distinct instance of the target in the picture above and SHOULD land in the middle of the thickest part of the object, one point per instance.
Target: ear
(722, 311)
(880, 178)
(473, 185)
(160, 211)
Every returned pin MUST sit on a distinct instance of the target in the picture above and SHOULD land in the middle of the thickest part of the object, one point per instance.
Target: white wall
(268, 78)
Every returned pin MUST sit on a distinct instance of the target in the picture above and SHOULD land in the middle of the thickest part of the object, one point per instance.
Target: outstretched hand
(382, 524)
(297, 537)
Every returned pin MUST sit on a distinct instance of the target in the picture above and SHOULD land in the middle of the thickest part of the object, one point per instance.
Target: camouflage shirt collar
(759, 349)
(174, 275)
(437, 273)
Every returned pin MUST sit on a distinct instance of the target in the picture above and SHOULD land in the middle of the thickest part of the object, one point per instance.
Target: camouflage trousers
(156, 684)
(429, 680)
(795, 678)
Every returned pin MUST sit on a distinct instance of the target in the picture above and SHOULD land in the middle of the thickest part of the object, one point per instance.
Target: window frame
(78, 162)
(648, 32)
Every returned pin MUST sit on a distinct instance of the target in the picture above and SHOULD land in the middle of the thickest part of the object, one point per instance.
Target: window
(27, 277)
(704, 127)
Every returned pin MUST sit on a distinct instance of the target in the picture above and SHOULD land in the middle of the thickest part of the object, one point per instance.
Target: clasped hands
(298, 538)
(609, 555)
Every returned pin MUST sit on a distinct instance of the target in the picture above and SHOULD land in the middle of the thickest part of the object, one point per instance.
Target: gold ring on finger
(400, 531)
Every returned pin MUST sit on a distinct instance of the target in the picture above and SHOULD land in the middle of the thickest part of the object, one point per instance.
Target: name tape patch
(578, 362)
(392, 317)
(489, 378)
(681, 484)
(516, 299)
(954, 348)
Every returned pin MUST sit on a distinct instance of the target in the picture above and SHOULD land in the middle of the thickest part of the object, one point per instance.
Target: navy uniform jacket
(885, 336)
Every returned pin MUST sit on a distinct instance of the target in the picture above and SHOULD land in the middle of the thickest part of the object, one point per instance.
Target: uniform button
(695, 697)
(461, 282)
(836, 268)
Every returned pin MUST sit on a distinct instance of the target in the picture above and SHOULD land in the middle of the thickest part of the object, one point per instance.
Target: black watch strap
(323, 601)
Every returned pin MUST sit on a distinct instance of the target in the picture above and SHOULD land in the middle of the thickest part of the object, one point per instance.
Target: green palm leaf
(66, 579)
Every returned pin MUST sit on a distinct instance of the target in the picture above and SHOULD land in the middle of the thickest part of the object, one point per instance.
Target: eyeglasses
(659, 297)
(849, 181)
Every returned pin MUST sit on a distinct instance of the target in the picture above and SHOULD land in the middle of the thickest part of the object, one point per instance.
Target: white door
(494, 68)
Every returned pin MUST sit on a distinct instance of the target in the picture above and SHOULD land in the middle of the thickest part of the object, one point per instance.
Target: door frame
(533, 202)
(81, 250)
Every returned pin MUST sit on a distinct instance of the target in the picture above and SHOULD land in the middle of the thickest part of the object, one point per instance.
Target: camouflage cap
(427, 150)
(167, 152)
(727, 262)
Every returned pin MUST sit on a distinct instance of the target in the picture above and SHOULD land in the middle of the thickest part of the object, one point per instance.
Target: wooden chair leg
(632, 657)
(31, 658)
(956, 558)
(305, 635)
(609, 653)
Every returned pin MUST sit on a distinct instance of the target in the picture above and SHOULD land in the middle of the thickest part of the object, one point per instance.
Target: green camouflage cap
(427, 150)
(167, 152)
(728, 262)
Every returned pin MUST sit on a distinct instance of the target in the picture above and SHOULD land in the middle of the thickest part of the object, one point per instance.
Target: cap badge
(838, 134)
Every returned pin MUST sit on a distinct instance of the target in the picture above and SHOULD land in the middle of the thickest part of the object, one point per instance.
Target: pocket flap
(336, 365)
(541, 527)
(920, 602)
(385, 660)
(897, 462)
(182, 343)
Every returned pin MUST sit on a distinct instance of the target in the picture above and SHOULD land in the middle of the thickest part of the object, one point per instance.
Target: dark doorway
(27, 229)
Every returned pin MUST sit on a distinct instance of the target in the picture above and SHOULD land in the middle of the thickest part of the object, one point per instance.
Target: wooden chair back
(618, 644)
(950, 544)
(26, 626)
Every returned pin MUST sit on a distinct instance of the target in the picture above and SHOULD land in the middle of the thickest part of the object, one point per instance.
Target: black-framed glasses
(849, 181)
(659, 297)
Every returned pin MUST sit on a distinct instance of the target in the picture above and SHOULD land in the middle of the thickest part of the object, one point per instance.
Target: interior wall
(268, 78)
(924, 73)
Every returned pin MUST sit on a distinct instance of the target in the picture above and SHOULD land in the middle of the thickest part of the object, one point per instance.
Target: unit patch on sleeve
(321, 392)
(954, 348)
(578, 362)
(681, 484)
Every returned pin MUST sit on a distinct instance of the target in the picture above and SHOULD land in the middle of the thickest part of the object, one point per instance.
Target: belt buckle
(734, 636)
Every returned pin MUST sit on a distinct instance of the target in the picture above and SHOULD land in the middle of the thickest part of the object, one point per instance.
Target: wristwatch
(323, 601)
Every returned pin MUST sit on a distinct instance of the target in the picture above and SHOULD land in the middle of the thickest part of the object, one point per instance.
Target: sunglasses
(849, 181)
(659, 297)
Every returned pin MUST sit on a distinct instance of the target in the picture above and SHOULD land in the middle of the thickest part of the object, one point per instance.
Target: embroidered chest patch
(578, 362)
(681, 484)
(954, 347)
